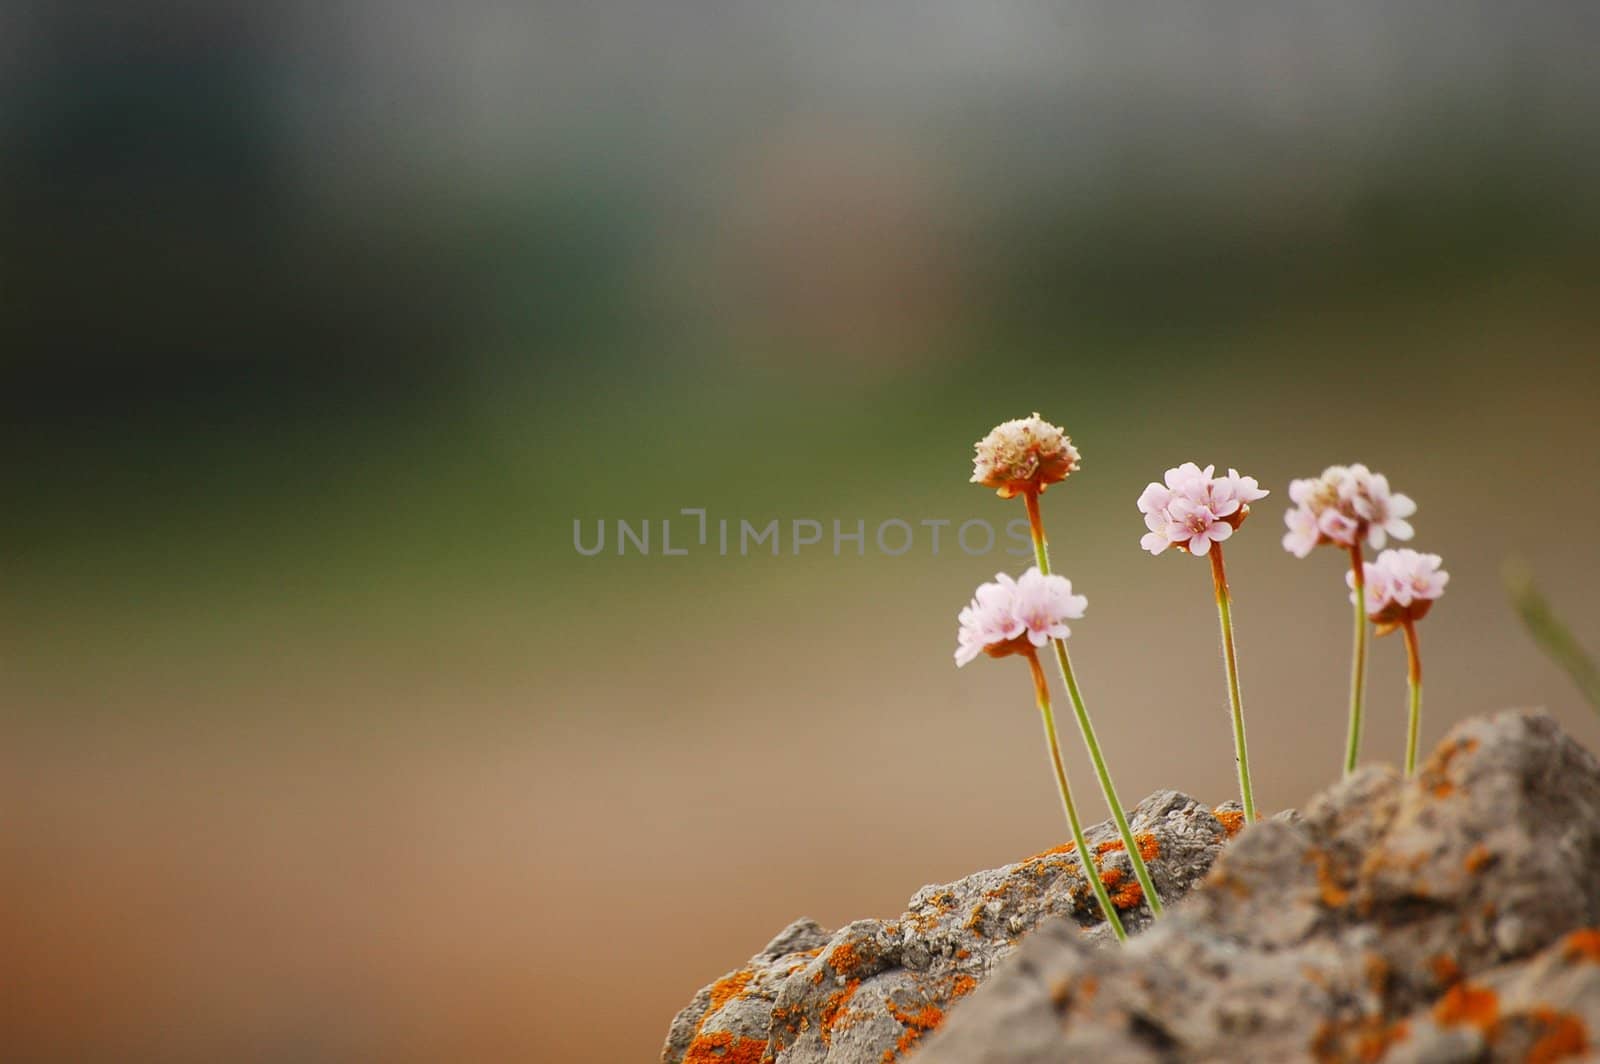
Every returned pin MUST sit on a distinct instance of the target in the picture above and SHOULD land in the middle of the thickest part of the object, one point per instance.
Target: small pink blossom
(1006, 614)
(1044, 604)
(1193, 508)
(1380, 510)
(1304, 531)
(1401, 585)
(1343, 506)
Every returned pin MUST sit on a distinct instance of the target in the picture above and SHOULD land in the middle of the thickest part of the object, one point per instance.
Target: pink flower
(1343, 506)
(1381, 511)
(1043, 604)
(988, 619)
(1401, 585)
(1009, 615)
(1194, 508)
(1194, 527)
(1304, 532)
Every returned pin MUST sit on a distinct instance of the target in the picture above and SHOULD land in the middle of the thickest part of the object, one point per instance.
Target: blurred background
(322, 323)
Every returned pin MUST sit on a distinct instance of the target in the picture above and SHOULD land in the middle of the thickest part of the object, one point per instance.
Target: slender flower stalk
(1358, 664)
(1195, 511)
(1397, 591)
(1345, 507)
(1041, 552)
(1414, 683)
(1018, 617)
(1230, 663)
(1041, 696)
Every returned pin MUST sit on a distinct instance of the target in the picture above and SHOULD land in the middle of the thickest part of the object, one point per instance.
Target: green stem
(1358, 661)
(1041, 552)
(1041, 695)
(1230, 661)
(1414, 682)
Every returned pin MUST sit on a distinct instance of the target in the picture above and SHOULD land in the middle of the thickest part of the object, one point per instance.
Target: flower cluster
(1194, 508)
(1343, 506)
(1009, 616)
(1401, 586)
(1025, 455)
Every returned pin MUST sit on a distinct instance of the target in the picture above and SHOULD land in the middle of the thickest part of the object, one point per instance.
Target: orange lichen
(844, 958)
(723, 1047)
(1564, 1036)
(916, 1023)
(1054, 851)
(1583, 944)
(1328, 889)
(1124, 895)
(962, 986)
(1445, 969)
(1469, 1005)
(963, 954)
(1376, 1038)
(833, 1009)
(1373, 1039)
(1479, 858)
(1149, 846)
(1433, 775)
(727, 988)
(1232, 820)
(975, 920)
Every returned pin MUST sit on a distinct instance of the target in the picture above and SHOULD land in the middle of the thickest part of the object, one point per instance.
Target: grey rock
(1450, 917)
(872, 990)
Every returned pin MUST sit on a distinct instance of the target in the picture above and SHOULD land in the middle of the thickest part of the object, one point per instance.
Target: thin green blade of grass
(1550, 633)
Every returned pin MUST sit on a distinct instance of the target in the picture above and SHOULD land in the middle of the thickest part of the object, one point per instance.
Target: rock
(873, 989)
(1451, 917)
(1446, 918)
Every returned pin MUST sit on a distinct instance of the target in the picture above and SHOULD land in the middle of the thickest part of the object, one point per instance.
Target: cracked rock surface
(1451, 917)
(874, 989)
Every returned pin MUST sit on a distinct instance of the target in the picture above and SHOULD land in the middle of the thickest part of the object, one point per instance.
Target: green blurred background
(324, 322)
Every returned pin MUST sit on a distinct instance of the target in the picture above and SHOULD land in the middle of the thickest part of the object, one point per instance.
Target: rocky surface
(1452, 917)
(1446, 918)
(873, 989)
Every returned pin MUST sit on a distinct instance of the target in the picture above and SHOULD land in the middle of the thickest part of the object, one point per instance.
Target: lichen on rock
(1451, 917)
(875, 989)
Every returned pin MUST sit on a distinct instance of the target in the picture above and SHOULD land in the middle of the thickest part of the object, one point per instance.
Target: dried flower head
(1009, 616)
(1343, 506)
(1193, 508)
(1028, 454)
(1401, 585)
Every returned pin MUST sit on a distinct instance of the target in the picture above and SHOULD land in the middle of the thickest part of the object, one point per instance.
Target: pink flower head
(1193, 508)
(1343, 506)
(1382, 512)
(1401, 585)
(1009, 616)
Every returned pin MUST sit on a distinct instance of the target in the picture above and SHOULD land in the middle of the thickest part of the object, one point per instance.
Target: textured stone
(1451, 917)
(1445, 918)
(873, 989)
